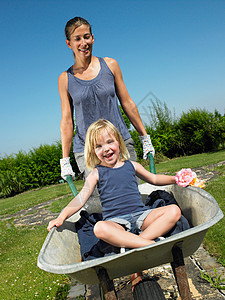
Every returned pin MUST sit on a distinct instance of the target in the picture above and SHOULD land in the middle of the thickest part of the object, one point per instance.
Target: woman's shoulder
(110, 60)
(63, 82)
(63, 77)
(111, 63)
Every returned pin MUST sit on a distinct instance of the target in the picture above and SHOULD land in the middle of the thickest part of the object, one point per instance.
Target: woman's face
(81, 41)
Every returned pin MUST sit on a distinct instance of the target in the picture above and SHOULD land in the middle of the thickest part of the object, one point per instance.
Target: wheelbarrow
(60, 252)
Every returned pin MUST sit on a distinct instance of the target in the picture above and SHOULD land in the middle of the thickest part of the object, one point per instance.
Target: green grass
(58, 205)
(31, 198)
(193, 161)
(215, 237)
(20, 276)
(19, 247)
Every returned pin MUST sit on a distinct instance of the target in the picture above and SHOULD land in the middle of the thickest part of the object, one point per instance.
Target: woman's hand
(66, 168)
(147, 146)
(56, 222)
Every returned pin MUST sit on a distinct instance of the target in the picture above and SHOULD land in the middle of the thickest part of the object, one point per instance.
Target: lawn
(215, 237)
(20, 276)
(31, 198)
(19, 247)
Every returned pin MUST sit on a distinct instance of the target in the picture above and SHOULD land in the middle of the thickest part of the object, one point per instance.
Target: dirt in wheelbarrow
(201, 260)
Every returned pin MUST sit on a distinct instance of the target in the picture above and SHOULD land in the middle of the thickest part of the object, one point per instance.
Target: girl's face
(107, 149)
(81, 41)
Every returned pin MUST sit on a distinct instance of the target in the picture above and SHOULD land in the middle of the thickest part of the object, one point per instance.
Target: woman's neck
(82, 64)
(86, 69)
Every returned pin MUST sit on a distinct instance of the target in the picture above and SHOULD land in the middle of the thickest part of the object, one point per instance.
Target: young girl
(124, 213)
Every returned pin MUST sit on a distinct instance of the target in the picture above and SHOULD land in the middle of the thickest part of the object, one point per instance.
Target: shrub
(37, 168)
(23, 171)
(198, 131)
(161, 117)
(125, 118)
(137, 142)
(11, 183)
(195, 132)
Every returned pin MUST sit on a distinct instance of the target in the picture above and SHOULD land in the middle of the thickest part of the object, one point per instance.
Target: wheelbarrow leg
(106, 284)
(179, 271)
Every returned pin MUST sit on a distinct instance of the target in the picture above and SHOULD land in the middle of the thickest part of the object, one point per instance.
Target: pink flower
(184, 177)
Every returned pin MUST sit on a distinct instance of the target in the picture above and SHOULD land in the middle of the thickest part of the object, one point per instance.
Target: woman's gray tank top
(92, 100)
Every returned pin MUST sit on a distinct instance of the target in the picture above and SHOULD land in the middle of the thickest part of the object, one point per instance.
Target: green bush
(162, 118)
(196, 131)
(125, 118)
(11, 183)
(23, 171)
(201, 131)
(37, 168)
(138, 146)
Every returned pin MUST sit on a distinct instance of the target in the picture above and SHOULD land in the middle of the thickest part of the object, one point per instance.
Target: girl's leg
(159, 221)
(116, 235)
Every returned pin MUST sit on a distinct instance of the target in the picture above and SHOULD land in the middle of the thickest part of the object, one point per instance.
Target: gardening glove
(147, 146)
(66, 168)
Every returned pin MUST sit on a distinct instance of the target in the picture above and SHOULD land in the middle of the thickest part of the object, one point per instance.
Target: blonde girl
(126, 221)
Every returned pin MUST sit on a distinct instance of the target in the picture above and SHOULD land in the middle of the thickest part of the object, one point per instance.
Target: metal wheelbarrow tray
(60, 252)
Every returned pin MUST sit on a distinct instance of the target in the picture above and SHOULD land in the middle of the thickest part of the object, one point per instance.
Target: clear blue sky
(172, 48)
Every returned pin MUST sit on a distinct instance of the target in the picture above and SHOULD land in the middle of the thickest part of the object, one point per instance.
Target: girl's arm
(126, 102)
(156, 179)
(66, 126)
(78, 201)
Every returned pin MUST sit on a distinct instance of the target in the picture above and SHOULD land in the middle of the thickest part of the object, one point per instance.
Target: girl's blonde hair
(91, 141)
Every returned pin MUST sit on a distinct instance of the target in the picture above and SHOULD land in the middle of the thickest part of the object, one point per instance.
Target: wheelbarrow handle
(71, 184)
(151, 163)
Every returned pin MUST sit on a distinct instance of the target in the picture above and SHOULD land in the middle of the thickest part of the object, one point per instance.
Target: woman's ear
(68, 44)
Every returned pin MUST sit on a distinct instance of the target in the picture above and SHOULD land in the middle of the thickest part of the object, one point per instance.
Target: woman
(92, 87)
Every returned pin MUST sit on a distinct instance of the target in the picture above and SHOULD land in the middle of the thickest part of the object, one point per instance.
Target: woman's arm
(126, 102)
(77, 202)
(156, 179)
(66, 126)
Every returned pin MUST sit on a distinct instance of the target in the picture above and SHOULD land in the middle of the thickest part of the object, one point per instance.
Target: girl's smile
(107, 150)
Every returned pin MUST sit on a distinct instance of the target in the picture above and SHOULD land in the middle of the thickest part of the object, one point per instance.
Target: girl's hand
(56, 222)
(184, 177)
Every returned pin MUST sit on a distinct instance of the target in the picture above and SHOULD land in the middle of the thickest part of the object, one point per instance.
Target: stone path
(201, 260)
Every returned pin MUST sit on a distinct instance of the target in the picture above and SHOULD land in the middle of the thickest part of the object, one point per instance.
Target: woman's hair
(73, 24)
(91, 141)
